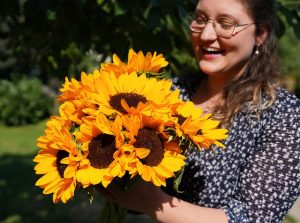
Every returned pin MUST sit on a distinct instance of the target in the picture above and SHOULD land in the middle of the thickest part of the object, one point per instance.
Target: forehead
(232, 8)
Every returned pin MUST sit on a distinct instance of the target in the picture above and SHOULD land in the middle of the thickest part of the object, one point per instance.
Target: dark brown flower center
(101, 150)
(131, 99)
(199, 132)
(181, 119)
(148, 138)
(61, 154)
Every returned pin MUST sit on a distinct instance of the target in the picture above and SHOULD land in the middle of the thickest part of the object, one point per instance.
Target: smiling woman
(257, 177)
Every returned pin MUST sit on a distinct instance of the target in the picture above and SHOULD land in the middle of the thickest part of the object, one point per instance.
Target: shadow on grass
(22, 201)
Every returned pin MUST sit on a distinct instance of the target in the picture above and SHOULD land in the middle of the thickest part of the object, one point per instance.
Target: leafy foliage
(50, 38)
(288, 16)
(22, 101)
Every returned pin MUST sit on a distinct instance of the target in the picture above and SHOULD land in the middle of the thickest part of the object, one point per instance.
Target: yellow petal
(163, 171)
(146, 174)
(103, 124)
(48, 178)
(142, 152)
(172, 163)
(115, 171)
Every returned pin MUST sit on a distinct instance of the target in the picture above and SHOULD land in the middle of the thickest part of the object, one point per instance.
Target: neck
(209, 93)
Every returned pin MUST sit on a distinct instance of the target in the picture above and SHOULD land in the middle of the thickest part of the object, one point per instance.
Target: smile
(210, 50)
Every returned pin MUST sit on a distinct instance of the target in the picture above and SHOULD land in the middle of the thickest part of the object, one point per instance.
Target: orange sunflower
(77, 93)
(145, 63)
(201, 129)
(137, 62)
(104, 160)
(117, 67)
(156, 158)
(132, 94)
(58, 161)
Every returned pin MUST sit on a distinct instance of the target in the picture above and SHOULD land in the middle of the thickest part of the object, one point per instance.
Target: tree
(51, 38)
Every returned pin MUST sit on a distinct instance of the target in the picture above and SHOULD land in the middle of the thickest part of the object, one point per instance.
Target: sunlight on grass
(20, 140)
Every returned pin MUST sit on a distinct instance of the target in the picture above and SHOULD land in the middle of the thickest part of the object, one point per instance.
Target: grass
(21, 200)
(20, 140)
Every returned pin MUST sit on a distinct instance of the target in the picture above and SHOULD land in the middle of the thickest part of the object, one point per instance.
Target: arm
(178, 211)
(151, 200)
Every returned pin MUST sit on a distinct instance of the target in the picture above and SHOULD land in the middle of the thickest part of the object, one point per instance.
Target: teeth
(209, 49)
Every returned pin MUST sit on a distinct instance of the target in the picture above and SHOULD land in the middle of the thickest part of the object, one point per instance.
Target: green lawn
(21, 201)
(20, 140)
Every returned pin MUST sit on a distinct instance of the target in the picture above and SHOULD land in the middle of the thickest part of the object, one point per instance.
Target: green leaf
(177, 180)
(100, 2)
(51, 15)
(118, 9)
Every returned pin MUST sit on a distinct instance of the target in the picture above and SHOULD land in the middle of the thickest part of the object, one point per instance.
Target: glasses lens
(198, 24)
(224, 26)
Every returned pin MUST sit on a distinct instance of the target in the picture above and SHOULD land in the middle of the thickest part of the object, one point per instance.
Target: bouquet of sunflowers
(122, 121)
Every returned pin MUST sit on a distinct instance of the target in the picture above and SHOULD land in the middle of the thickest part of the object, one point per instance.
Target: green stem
(112, 213)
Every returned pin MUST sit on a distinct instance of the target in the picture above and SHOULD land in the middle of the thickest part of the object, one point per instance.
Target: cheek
(245, 50)
(195, 40)
(196, 44)
(244, 44)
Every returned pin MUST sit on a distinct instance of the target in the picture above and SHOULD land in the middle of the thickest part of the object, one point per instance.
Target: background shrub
(23, 102)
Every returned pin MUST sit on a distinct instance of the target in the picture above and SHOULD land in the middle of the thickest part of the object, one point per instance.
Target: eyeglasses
(224, 26)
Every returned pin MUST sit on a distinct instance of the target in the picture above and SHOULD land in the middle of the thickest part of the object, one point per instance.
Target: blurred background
(44, 41)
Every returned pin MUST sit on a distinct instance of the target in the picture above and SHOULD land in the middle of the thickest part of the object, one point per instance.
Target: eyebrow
(201, 12)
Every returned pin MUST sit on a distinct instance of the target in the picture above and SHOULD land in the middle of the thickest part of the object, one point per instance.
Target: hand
(151, 200)
(143, 197)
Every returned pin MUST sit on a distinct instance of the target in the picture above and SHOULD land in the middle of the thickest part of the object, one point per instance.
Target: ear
(261, 34)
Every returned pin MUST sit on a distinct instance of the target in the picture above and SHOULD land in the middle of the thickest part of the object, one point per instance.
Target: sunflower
(58, 161)
(181, 112)
(118, 95)
(205, 132)
(68, 111)
(74, 89)
(157, 159)
(117, 67)
(77, 92)
(104, 160)
(56, 123)
(201, 129)
(145, 63)
(137, 62)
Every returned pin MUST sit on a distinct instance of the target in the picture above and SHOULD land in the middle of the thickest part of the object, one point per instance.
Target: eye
(225, 23)
(200, 20)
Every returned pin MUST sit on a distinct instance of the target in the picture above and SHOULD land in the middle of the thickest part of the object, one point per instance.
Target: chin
(212, 70)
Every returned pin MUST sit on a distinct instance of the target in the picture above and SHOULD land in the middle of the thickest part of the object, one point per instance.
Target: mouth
(212, 51)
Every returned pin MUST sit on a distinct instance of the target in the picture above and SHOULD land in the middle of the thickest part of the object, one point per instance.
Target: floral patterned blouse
(257, 177)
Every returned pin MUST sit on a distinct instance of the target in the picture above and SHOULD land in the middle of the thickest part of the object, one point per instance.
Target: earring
(256, 50)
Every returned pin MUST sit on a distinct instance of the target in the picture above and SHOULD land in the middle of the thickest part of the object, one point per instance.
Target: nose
(209, 32)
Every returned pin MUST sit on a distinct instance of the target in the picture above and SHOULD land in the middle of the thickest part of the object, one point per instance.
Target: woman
(257, 177)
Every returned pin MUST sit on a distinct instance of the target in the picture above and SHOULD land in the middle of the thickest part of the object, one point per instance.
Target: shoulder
(283, 117)
(285, 103)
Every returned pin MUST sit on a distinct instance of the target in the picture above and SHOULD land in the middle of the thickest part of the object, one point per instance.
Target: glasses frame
(235, 25)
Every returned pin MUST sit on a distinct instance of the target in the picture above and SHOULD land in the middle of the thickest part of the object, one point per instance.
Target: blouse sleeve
(269, 183)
